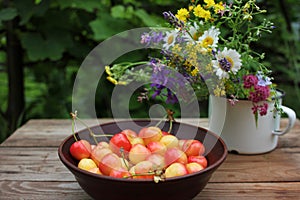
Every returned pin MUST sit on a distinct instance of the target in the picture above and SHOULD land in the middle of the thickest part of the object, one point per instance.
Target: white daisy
(193, 33)
(228, 61)
(210, 38)
(170, 39)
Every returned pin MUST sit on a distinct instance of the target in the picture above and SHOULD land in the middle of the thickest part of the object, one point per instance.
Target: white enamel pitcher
(236, 125)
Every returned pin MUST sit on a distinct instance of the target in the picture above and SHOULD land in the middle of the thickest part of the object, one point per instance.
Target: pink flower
(254, 109)
(249, 81)
(233, 101)
(260, 93)
(263, 109)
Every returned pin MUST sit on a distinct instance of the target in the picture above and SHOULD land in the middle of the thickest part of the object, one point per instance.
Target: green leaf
(121, 12)
(52, 46)
(37, 1)
(27, 9)
(105, 26)
(163, 2)
(147, 19)
(87, 5)
(8, 14)
(136, 3)
(118, 11)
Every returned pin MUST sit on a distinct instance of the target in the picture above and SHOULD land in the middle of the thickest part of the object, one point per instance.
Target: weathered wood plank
(283, 164)
(291, 139)
(50, 133)
(43, 164)
(43, 133)
(32, 164)
(41, 190)
(250, 191)
(37, 190)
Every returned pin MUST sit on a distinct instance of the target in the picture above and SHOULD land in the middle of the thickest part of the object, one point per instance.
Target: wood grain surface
(30, 167)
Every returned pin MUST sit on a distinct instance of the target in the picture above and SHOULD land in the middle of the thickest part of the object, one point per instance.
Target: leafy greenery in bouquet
(209, 46)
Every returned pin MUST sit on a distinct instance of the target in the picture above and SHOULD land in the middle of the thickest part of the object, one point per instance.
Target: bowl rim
(87, 173)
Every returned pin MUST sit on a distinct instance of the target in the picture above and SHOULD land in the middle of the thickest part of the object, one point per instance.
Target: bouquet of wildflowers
(211, 44)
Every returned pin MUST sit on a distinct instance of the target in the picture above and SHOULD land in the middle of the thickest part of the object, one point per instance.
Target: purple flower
(157, 91)
(157, 37)
(151, 38)
(225, 64)
(146, 39)
(263, 80)
(170, 17)
(166, 80)
(171, 98)
(155, 64)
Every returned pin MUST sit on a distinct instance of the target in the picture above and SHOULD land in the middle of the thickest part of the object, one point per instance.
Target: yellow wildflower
(111, 79)
(107, 70)
(209, 68)
(177, 49)
(187, 65)
(191, 8)
(219, 7)
(248, 17)
(198, 10)
(182, 14)
(246, 6)
(122, 83)
(195, 72)
(209, 3)
(201, 12)
(219, 91)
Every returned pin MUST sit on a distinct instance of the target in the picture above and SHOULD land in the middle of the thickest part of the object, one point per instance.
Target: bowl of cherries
(143, 159)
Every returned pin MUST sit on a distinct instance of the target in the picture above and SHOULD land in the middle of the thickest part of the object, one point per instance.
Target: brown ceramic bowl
(181, 188)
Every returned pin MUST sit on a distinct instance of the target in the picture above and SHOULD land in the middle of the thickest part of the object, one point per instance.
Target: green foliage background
(56, 35)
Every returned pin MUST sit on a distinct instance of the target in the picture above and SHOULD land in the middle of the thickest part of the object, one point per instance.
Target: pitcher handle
(292, 119)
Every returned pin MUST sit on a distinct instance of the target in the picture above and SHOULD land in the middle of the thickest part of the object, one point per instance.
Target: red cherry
(173, 155)
(119, 141)
(198, 159)
(109, 162)
(119, 173)
(165, 133)
(130, 134)
(81, 149)
(193, 148)
(157, 147)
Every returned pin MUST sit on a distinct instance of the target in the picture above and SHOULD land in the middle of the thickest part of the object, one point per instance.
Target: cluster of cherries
(149, 154)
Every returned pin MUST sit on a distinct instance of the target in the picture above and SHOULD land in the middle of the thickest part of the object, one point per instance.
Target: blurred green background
(43, 43)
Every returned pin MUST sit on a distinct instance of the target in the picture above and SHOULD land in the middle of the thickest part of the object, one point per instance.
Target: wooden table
(30, 167)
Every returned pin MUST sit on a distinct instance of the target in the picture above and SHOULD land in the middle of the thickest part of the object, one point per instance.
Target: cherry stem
(171, 126)
(105, 135)
(73, 130)
(141, 174)
(89, 129)
(170, 117)
(74, 117)
(123, 158)
(160, 121)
